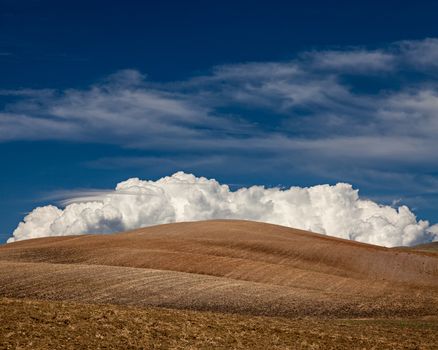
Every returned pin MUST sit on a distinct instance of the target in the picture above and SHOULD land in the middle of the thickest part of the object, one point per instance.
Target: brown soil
(234, 267)
(28, 324)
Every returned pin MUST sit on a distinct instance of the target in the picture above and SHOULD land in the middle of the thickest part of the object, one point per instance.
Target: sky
(274, 93)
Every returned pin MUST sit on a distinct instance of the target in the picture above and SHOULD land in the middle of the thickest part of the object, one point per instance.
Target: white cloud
(421, 53)
(352, 61)
(332, 210)
(434, 231)
(305, 101)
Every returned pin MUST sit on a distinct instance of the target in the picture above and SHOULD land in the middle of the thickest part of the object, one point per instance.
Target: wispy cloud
(353, 61)
(353, 108)
(422, 54)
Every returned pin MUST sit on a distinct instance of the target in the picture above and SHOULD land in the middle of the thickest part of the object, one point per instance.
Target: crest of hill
(430, 247)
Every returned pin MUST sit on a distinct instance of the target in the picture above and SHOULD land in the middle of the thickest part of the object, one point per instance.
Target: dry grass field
(216, 284)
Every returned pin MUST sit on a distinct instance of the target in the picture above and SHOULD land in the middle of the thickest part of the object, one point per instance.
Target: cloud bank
(332, 210)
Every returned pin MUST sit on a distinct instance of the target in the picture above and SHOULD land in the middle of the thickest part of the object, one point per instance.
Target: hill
(430, 247)
(224, 266)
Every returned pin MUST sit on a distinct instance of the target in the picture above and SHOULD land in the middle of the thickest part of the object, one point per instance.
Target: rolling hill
(429, 247)
(227, 266)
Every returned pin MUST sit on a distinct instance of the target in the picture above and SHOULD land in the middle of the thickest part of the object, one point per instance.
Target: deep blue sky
(55, 44)
(59, 46)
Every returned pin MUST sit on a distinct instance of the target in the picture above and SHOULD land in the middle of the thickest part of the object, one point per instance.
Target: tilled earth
(226, 270)
(29, 324)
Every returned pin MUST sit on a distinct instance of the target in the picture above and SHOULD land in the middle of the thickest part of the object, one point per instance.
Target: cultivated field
(30, 324)
(294, 288)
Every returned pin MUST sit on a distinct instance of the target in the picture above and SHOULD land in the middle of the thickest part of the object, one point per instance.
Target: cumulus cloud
(332, 210)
